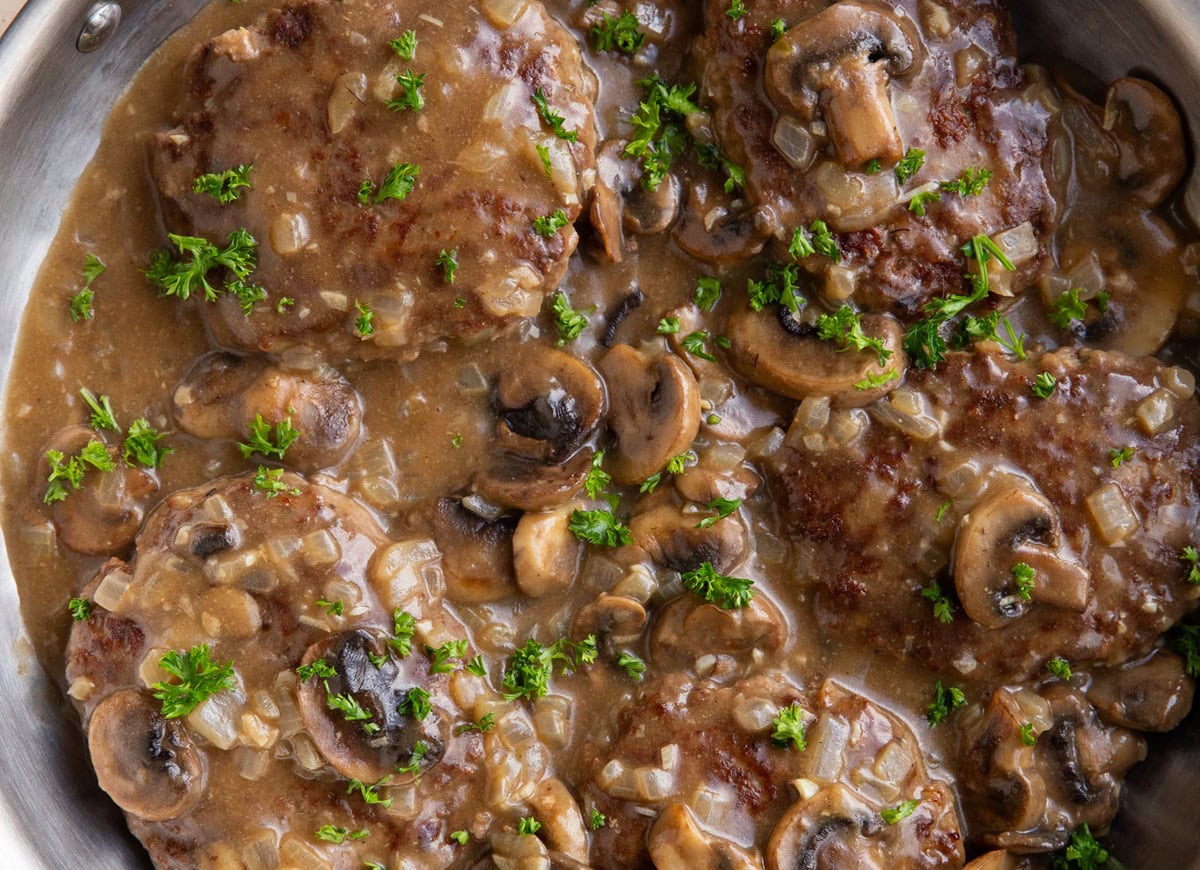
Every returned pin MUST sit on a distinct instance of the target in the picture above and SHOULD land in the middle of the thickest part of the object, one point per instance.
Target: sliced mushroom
(223, 394)
(671, 538)
(1000, 860)
(833, 828)
(1010, 526)
(689, 627)
(614, 620)
(477, 553)
(547, 406)
(1149, 131)
(103, 516)
(146, 762)
(654, 410)
(605, 216)
(678, 841)
(1151, 695)
(709, 233)
(369, 749)
(842, 60)
(787, 358)
(562, 822)
(648, 212)
(531, 486)
(545, 552)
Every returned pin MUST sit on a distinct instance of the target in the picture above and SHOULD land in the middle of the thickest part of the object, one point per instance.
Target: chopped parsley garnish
(399, 183)
(370, 791)
(411, 98)
(405, 45)
(81, 302)
(476, 666)
(364, 324)
(552, 119)
(873, 167)
(457, 441)
(1024, 576)
(789, 727)
(711, 157)
(909, 165)
(844, 327)
(1028, 738)
(659, 134)
(667, 326)
(72, 470)
(531, 666)
(1044, 384)
(970, 183)
(413, 767)
(333, 608)
(317, 669)
(460, 837)
(547, 225)
(544, 156)
(180, 278)
(708, 291)
(1118, 455)
(225, 187)
(986, 328)
(80, 609)
(632, 665)
(942, 508)
(900, 812)
(528, 826)
(597, 478)
(945, 701)
(1186, 642)
(618, 34)
(779, 287)
(1067, 308)
(919, 202)
(284, 302)
(982, 249)
(337, 835)
(486, 723)
(651, 483)
(730, 593)
(351, 710)
(817, 239)
(676, 464)
(441, 658)
(448, 260)
(404, 625)
(569, 322)
(736, 10)
(102, 412)
(871, 382)
(943, 609)
(597, 820)
(1192, 557)
(269, 481)
(416, 703)
(599, 527)
(1082, 852)
(199, 679)
(141, 445)
(778, 29)
(267, 442)
(694, 344)
(1059, 667)
(723, 506)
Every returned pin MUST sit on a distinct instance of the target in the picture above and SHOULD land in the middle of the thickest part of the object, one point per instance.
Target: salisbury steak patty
(253, 663)
(823, 118)
(926, 504)
(323, 108)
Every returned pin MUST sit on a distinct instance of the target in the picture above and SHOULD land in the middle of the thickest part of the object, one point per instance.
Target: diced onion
(908, 411)
(300, 856)
(215, 719)
(306, 754)
(805, 788)
(1088, 276)
(754, 714)
(1180, 382)
(1019, 244)
(794, 142)
(1156, 411)
(1115, 518)
(552, 718)
(813, 414)
(502, 13)
(251, 763)
(654, 784)
(639, 584)
(826, 747)
(710, 805)
(112, 589)
(349, 92)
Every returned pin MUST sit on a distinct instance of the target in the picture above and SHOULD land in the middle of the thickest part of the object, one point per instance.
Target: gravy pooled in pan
(729, 435)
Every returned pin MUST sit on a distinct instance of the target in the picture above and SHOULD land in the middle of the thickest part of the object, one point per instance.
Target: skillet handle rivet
(100, 24)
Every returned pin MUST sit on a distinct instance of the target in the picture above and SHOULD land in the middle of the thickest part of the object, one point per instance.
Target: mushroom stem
(1057, 582)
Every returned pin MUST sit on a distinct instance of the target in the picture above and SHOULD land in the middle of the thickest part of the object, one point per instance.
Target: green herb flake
(364, 324)
(1028, 738)
(946, 699)
(632, 665)
(1059, 667)
(1119, 455)
(844, 328)
(971, 182)
(943, 608)
(597, 479)
(1024, 577)
(618, 34)
(269, 481)
(531, 666)
(411, 97)
(1043, 385)
(789, 728)
(317, 669)
(909, 165)
(226, 186)
(199, 678)
(268, 441)
(547, 225)
(416, 703)
(528, 826)
(599, 527)
(569, 322)
(900, 812)
(552, 119)
(708, 291)
(723, 506)
(405, 45)
(729, 593)
(80, 609)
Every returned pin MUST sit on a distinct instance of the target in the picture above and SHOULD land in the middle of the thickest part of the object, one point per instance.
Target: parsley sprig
(199, 679)
(789, 727)
(81, 302)
(599, 527)
(226, 186)
(188, 274)
(730, 593)
(531, 666)
(268, 442)
(618, 34)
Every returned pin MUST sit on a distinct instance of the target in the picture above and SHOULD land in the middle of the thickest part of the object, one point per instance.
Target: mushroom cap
(671, 539)
(548, 406)
(146, 762)
(477, 554)
(1153, 156)
(345, 745)
(654, 410)
(103, 516)
(1152, 695)
(532, 486)
(793, 362)
(613, 619)
(1011, 526)
(223, 393)
(831, 829)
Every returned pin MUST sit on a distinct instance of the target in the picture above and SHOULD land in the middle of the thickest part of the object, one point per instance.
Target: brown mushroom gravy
(727, 434)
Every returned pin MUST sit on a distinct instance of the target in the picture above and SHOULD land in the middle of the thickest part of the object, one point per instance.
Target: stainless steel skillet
(53, 101)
